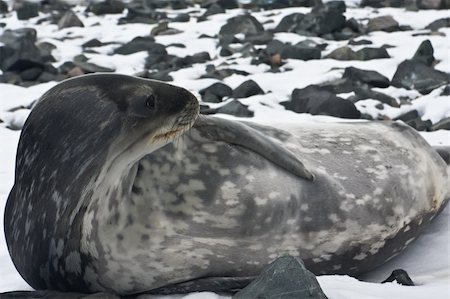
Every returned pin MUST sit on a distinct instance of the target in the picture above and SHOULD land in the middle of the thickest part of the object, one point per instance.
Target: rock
(343, 53)
(371, 78)
(3, 7)
(424, 53)
(140, 43)
(284, 278)
(294, 52)
(383, 23)
(323, 19)
(183, 17)
(436, 25)
(217, 89)
(443, 124)
(55, 295)
(408, 116)
(372, 53)
(318, 101)
(246, 24)
(416, 75)
(247, 89)
(228, 4)
(164, 29)
(138, 14)
(359, 42)
(26, 10)
(235, 108)
(10, 78)
(159, 75)
(107, 7)
(19, 52)
(31, 74)
(92, 43)
(69, 19)
(446, 91)
(87, 67)
(433, 4)
(220, 74)
(211, 98)
(259, 39)
(364, 93)
(343, 85)
(214, 9)
(205, 109)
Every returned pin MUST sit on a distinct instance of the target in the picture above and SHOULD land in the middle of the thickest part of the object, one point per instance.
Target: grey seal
(74, 168)
(98, 205)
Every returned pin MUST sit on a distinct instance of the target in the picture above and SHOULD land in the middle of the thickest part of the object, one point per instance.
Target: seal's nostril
(150, 102)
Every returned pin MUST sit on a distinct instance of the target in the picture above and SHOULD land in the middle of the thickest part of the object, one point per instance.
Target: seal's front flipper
(210, 284)
(238, 133)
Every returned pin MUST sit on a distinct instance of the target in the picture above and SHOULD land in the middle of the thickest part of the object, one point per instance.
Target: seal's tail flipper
(239, 133)
(444, 152)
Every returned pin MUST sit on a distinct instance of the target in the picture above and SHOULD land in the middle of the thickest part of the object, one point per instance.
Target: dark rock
(416, 75)
(446, 91)
(343, 53)
(235, 108)
(323, 19)
(46, 77)
(69, 19)
(214, 9)
(107, 7)
(26, 10)
(204, 109)
(433, 4)
(10, 78)
(343, 85)
(138, 14)
(424, 53)
(228, 4)
(246, 24)
(383, 23)
(354, 25)
(408, 116)
(220, 74)
(247, 89)
(372, 53)
(159, 75)
(218, 89)
(31, 74)
(210, 98)
(259, 39)
(294, 52)
(371, 78)
(420, 125)
(3, 7)
(55, 295)
(436, 25)
(318, 101)
(359, 42)
(164, 29)
(19, 52)
(140, 43)
(284, 278)
(443, 124)
(364, 93)
(225, 51)
(92, 43)
(87, 67)
(183, 17)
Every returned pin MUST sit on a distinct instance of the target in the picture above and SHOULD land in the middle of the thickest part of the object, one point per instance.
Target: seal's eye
(150, 102)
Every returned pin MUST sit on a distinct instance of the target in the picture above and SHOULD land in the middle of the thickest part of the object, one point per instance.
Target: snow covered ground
(427, 260)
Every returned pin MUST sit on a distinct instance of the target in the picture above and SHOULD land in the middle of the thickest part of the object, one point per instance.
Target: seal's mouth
(170, 135)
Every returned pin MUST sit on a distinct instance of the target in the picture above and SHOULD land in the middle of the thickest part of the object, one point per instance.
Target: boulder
(424, 53)
(107, 7)
(247, 89)
(383, 23)
(372, 53)
(436, 25)
(26, 10)
(235, 108)
(217, 89)
(140, 43)
(343, 53)
(69, 19)
(371, 78)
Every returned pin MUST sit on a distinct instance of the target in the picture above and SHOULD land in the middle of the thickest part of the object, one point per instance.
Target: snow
(427, 260)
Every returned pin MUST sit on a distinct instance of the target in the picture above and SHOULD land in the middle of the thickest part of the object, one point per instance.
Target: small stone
(436, 25)
(372, 53)
(247, 89)
(446, 91)
(164, 29)
(383, 23)
(359, 42)
(76, 71)
(343, 53)
(183, 17)
(3, 7)
(246, 24)
(210, 98)
(87, 68)
(235, 108)
(138, 44)
(371, 78)
(433, 4)
(363, 93)
(218, 89)
(26, 10)
(284, 278)
(424, 53)
(69, 19)
(92, 43)
(443, 124)
(107, 7)
(214, 9)
(416, 75)
(316, 100)
(408, 116)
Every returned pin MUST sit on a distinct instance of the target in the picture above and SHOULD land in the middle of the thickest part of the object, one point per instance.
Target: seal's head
(78, 145)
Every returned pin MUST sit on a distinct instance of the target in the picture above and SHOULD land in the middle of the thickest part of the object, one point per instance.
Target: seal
(75, 165)
(345, 197)
(99, 205)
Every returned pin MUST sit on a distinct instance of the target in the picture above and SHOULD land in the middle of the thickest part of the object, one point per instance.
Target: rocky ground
(266, 61)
